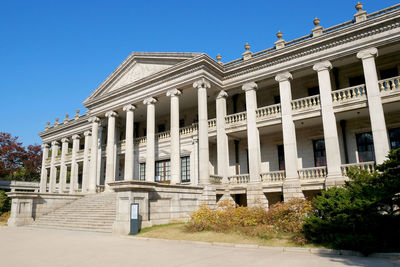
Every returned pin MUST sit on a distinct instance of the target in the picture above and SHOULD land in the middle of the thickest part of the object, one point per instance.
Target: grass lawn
(176, 231)
(3, 218)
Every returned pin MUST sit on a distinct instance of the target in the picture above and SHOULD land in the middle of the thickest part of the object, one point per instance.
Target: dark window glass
(144, 132)
(357, 80)
(136, 130)
(388, 73)
(162, 170)
(394, 137)
(185, 169)
(313, 91)
(319, 152)
(281, 158)
(161, 128)
(365, 147)
(142, 171)
(181, 123)
(277, 99)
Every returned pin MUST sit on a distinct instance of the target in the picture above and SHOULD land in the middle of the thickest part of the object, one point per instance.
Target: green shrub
(5, 202)
(362, 215)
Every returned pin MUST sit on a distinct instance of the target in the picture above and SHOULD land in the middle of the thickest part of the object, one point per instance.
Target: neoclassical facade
(281, 123)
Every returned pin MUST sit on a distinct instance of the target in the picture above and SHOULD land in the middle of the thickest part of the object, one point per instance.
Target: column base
(292, 190)
(255, 195)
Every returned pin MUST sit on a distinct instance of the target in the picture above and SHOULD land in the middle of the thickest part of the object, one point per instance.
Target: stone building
(173, 130)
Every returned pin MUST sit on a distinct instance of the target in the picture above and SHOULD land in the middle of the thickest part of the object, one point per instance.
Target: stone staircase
(94, 213)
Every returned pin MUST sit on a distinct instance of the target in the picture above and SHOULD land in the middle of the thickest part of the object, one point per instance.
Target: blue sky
(53, 54)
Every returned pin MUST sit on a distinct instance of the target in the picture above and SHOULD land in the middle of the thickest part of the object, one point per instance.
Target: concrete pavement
(45, 247)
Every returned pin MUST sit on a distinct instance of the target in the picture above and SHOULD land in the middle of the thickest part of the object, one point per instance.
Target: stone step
(108, 230)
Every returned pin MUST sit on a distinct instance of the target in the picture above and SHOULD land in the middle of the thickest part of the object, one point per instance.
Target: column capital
(201, 84)
(323, 65)
(367, 53)
(76, 137)
(45, 145)
(283, 76)
(87, 133)
(149, 101)
(174, 92)
(65, 140)
(94, 119)
(249, 86)
(111, 114)
(129, 107)
(55, 143)
(222, 94)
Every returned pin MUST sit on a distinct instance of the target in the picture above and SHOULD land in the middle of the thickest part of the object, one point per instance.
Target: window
(365, 147)
(388, 73)
(181, 123)
(281, 158)
(277, 99)
(144, 132)
(185, 169)
(136, 130)
(162, 170)
(142, 171)
(313, 91)
(356, 80)
(161, 128)
(394, 137)
(319, 153)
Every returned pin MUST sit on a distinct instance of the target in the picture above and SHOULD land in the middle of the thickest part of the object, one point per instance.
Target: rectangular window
(281, 158)
(394, 137)
(319, 152)
(142, 171)
(185, 169)
(365, 147)
(162, 170)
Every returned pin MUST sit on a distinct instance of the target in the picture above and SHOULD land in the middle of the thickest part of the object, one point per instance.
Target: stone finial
(317, 30)
(47, 125)
(77, 114)
(247, 54)
(361, 15)
(56, 123)
(66, 118)
(219, 57)
(280, 43)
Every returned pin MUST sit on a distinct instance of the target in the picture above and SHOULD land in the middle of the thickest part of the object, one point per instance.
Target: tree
(362, 215)
(18, 162)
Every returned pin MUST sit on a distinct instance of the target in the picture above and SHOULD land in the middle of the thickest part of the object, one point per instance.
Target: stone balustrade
(239, 179)
(368, 166)
(212, 123)
(305, 103)
(187, 130)
(312, 173)
(389, 85)
(274, 176)
(163, 135)
(215, 179)
(350, 93)
(141, 140)
(268, 111)
(235, 118)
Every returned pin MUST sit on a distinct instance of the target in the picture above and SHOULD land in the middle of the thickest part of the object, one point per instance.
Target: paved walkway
(37, 247)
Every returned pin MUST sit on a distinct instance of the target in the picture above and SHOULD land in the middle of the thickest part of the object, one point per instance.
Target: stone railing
(368, 166)
(268, 111)
(389, 85)
(80, 153)
(312, 173)
(305, 103)
(188, 129)
(273, 176)
(215, 179)
(350, 93)
(237, 117)
(141, 140)
(100, 188)
(239, 179)
(163, 135)
(383, 11)
(212, 123)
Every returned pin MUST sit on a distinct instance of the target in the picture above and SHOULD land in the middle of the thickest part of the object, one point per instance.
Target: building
(171, 128)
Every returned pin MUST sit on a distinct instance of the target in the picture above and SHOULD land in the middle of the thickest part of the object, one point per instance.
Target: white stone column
(100, 160)
(288, 127)
(328, 121)
(376, 113)
(222, 137)
(253, 137)
(150, 140)
(44, 174)
(73, 185)
(175, 138)
(53, 168)
(85, 168)
(129, 143)
(204, 174)
(93, 154)
(111, 158)
(63, 166)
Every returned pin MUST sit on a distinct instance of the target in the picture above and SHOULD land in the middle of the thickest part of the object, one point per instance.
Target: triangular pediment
(136, 67)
